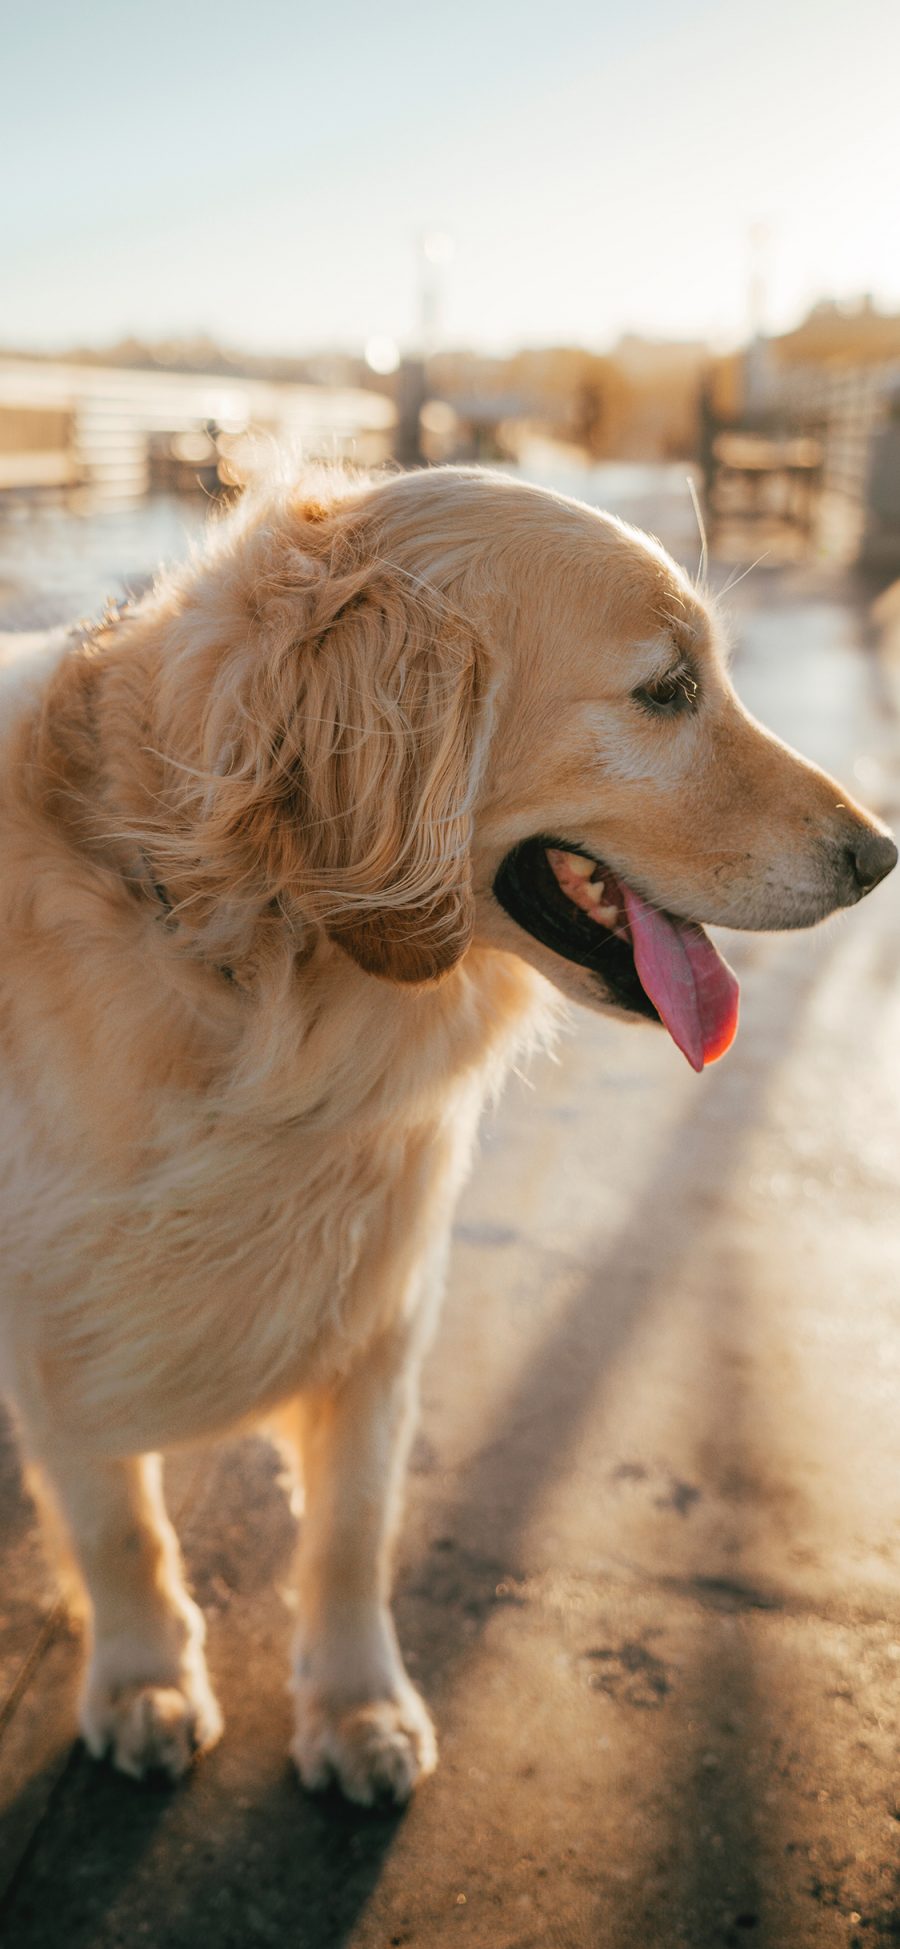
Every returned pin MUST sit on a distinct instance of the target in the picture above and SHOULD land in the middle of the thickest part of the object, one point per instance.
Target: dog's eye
(667, 696)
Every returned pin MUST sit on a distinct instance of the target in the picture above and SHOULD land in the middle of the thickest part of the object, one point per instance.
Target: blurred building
(659, 383)
(638, 402)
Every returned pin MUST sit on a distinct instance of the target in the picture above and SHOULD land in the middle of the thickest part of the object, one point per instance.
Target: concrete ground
(650, 1574)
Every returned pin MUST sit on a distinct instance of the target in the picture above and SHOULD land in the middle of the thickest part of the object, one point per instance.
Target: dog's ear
(389, 730)
(329, 756)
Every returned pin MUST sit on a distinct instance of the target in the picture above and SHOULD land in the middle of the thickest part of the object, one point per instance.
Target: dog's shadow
(237, 1853)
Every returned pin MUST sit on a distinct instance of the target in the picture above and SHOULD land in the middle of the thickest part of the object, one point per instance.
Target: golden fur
(254, 987)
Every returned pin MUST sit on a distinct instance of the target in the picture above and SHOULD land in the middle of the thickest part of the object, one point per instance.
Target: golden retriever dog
(296, 854)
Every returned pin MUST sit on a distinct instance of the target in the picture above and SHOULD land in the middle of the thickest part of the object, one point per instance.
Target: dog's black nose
(872, 857)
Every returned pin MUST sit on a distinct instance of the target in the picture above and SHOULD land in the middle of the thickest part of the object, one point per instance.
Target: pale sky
(261, 171)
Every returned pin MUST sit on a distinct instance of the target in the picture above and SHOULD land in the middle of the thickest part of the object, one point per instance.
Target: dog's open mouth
(651, 962)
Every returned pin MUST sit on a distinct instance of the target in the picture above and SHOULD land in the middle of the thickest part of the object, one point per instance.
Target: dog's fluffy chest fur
(227, 1271)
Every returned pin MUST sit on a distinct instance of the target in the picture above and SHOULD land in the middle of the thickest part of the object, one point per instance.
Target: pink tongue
(689, 984)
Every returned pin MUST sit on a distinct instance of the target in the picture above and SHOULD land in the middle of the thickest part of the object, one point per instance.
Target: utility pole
(434, 250)
(757, 367)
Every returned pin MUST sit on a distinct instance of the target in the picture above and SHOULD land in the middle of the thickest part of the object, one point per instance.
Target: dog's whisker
(733, 580)
(701, 575)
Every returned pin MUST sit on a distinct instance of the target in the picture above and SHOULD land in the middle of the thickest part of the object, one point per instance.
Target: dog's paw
(378, 1751)
(151, 1729)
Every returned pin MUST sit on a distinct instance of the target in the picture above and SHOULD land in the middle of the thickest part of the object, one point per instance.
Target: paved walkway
(650, 1577)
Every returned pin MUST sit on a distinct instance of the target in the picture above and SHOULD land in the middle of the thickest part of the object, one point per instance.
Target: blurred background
(602, 251)
(650, 1575)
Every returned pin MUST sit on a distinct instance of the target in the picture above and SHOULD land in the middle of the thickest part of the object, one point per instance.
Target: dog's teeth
(608, 916)
(577, 864)
(575, 876)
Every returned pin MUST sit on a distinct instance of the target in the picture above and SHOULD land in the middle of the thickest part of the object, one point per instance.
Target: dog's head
(479, 712)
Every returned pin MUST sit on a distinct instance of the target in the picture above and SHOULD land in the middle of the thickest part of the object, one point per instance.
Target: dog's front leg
(146, 1699)
(359, 1719)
